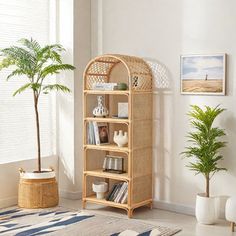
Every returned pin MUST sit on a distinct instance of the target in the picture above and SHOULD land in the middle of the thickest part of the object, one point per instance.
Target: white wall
(163, 30)
(74, 35)
(9, 177)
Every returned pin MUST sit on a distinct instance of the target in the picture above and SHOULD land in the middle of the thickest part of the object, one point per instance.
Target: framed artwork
(203, 74)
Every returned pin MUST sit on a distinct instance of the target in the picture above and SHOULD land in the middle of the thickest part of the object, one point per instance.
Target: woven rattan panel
(139, 72)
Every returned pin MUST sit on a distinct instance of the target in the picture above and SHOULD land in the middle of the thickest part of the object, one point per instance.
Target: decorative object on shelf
(37, 64)
(113, 164)
(101, 132)
(206, 155)
(105, 86)
(230, 211)
(120, 139)
(100, 188)
(135, 81)
(122, 86)
(123, 109)
(203, 74)
(100, 110)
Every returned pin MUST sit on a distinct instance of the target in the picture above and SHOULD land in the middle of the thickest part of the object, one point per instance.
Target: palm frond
(55, 69)
(22, 89)
(6, 62)
(16, 72)
(31, 44)
(57, 87)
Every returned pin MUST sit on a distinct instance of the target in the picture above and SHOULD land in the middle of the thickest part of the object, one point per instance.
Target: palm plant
(36, 63)
(205, 143)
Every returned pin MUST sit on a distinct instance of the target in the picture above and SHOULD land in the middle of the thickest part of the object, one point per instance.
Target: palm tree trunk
(207, 186)
(38, 130)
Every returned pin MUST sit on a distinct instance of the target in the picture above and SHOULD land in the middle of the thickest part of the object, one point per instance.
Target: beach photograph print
(203, 74)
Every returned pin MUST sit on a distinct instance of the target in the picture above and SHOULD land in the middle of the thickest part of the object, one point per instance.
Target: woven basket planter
(38, 190)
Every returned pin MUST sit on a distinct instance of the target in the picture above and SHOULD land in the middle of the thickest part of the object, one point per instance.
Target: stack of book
(104, 86)
(97, 133)
(118, 193)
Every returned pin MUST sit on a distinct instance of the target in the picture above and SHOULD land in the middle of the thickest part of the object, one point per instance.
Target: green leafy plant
(205, 142)
(37, 64)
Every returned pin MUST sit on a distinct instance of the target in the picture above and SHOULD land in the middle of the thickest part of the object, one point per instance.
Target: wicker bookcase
(136, 73)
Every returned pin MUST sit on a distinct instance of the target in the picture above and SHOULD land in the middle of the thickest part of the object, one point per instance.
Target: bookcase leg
(150, 205)
(83, 204)
(130, 213)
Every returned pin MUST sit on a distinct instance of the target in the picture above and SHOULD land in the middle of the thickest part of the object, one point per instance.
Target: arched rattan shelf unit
(99, 69)
(139, 126)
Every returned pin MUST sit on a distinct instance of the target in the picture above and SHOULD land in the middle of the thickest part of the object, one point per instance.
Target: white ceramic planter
(230, 213)
(46, 174)
(100, 188)
(206, 209)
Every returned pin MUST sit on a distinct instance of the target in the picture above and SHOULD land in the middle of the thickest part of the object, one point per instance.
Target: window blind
(24, 19)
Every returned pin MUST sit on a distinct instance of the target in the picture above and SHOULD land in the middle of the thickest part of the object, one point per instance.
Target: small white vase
(100, 188)
(206, 212)
(120, 139)
(100, 110)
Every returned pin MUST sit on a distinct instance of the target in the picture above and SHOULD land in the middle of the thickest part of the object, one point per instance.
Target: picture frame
(103, 131)
(203, 74)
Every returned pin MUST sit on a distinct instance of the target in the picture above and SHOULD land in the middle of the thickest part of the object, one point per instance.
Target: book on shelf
(124, 199)
(111, 192)
(104, 86)
(118, 193)
(97, 133)
(90, 134)
(121, 192)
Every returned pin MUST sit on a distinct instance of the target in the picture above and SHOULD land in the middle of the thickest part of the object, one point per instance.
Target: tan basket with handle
(38, 193)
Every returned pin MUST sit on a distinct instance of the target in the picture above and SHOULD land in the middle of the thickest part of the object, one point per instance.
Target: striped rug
(61, 221)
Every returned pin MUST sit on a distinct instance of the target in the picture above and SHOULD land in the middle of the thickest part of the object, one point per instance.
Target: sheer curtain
(24, 19)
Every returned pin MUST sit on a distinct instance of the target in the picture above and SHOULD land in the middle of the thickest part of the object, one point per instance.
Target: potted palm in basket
(37, 188)
(204, 148)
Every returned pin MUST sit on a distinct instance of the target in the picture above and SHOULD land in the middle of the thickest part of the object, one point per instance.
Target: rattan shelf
(101, 173)
(104, 202)
(113, 92)
(136, 73)
(108, 120)
(107, 147)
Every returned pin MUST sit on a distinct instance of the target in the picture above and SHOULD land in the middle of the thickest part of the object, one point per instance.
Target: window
(24, 19)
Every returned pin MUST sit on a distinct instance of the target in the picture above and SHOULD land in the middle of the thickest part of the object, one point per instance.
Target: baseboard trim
(178, 208)
(8, 202)
(70, 195)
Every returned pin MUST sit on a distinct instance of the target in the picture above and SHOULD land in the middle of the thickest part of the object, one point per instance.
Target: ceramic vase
(120, 139)
(100, 110)
(100, 188)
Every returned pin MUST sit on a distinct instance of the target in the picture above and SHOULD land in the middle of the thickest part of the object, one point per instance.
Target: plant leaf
(21, 89)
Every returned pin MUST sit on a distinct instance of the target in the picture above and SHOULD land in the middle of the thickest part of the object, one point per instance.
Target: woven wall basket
(139, 73)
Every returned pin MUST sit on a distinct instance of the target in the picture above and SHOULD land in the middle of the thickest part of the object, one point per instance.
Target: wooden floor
(159, 217)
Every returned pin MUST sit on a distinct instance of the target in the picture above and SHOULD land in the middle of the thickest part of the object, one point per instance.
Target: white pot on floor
(206, 209)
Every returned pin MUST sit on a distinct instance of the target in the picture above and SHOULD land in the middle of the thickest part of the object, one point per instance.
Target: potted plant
(36, 63)
(204, 147)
